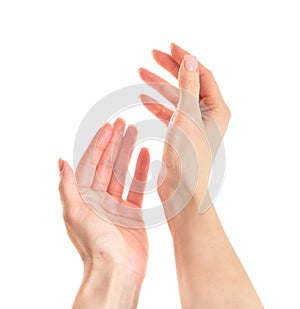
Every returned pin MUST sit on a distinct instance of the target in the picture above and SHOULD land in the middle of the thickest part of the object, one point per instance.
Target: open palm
(92, 204)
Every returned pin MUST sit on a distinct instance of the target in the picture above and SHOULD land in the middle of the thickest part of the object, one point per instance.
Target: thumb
(189, 85)
(69, 194)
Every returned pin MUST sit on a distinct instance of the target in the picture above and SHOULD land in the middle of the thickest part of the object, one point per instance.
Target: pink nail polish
(190, 63)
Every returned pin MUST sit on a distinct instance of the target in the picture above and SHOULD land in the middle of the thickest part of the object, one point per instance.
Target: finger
(178, 54)
(189, 86)
(105, 165)
(160, 85)
(138, 184)
(120, 167)
(69, 194)
(209, 87)
(158, 110)
(86, 168)
(166, 61)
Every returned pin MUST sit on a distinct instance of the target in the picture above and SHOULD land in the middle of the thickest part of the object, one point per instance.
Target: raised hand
(210, 274)
(202, 116)
(212, 103)
(105, 247)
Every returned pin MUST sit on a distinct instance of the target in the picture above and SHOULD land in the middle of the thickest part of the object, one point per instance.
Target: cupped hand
(102, 171)
(201, 116)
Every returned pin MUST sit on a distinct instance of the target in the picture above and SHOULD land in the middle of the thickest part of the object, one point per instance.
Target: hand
(101, 244)
(203, 125)
(210, 274)
(209, 93)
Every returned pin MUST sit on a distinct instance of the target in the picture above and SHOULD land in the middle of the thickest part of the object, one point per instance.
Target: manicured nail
(60, 164)
(190, 63)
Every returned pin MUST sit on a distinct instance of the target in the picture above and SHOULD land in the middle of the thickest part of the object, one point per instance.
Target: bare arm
(210, 274)
(108, 286)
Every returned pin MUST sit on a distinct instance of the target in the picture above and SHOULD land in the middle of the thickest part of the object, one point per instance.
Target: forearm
(210, 274)
(111, 288)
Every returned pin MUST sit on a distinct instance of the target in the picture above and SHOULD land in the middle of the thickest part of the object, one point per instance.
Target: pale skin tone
(114, 257)
(210, 274)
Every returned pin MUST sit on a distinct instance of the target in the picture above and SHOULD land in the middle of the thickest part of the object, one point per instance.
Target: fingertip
(174, 47)
(132, 130)
(117, 121)
(65, 166)
(66, 173)
(60, 165)
(156, 54)
(119, 124)
(144, 157)
(65, 169)
(143, 73)
(147, 101)
(145, 98)
(188, 73)
(144, 151)
(190, 63)
(141, 70)
(108, 127)
(154, 51)
(142, 96)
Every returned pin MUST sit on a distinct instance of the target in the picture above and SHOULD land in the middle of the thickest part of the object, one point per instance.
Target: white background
(58, 58)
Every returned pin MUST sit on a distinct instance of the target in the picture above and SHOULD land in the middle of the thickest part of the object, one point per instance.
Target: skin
(210, 274)
(114, 257)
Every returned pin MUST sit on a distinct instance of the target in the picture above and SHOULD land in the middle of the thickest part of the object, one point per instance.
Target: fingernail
(60, 164)
(190, 63)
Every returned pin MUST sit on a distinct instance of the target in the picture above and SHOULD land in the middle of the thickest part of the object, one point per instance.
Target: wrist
(124, 288)
(176, 200)
(192, 214)
(108, 285)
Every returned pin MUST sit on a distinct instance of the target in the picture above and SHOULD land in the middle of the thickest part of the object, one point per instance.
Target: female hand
(115, 253)
(210, 274)
(212, 103)
(201, 115)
